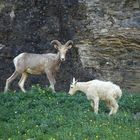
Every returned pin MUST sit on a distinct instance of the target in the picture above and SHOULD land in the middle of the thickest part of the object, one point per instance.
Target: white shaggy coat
(96, 90)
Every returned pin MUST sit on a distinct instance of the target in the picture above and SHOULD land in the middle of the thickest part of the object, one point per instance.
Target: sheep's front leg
(96, 104)
(51, 80)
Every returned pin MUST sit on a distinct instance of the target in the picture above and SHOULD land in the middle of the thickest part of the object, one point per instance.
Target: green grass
(42, 115)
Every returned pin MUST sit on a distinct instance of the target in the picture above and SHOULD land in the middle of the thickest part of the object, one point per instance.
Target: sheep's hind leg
(22, 81)
(10, 79)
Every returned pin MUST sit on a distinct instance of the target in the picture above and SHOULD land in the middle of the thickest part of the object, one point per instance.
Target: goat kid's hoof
(112, 114)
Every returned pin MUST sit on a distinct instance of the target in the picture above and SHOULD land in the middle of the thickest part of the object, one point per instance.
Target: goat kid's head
(73, 87)
(62, 48)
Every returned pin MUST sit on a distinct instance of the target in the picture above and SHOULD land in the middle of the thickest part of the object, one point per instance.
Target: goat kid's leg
(92, 104)
(22, 81)
(10, 79)
(51, 80)
(114, 106)
(110, 106)
(96, 104)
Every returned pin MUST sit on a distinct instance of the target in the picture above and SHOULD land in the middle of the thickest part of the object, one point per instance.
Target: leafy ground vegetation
(42, 115)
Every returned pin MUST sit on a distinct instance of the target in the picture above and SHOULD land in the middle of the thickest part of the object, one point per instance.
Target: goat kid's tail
(119, 93)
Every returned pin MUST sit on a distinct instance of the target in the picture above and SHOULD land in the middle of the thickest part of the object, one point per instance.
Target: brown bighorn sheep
(96, 90)
(29, 63)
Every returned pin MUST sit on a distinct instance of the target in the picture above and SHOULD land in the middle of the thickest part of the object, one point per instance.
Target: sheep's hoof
(51, 89)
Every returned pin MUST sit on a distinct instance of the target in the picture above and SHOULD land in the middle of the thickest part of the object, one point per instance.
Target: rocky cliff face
(111, 46)
(115, 57)
(106, 35)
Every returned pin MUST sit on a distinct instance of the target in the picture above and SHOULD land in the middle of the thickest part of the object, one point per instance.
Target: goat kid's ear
(73, 80)
(76, 82)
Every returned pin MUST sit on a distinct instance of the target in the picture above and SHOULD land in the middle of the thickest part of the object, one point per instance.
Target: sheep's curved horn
(56, 42)
(68, 43)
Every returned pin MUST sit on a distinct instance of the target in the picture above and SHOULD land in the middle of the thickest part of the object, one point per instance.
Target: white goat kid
(29, 63)
(96, 90)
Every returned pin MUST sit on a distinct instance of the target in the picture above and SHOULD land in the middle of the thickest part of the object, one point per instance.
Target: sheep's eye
(71, 86)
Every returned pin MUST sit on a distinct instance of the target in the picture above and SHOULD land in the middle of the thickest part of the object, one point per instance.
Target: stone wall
(111, 46)
(114, 57)
(106, 34)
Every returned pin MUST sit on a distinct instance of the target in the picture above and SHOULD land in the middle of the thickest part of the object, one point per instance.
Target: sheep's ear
(56, 44)
(69, 44)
